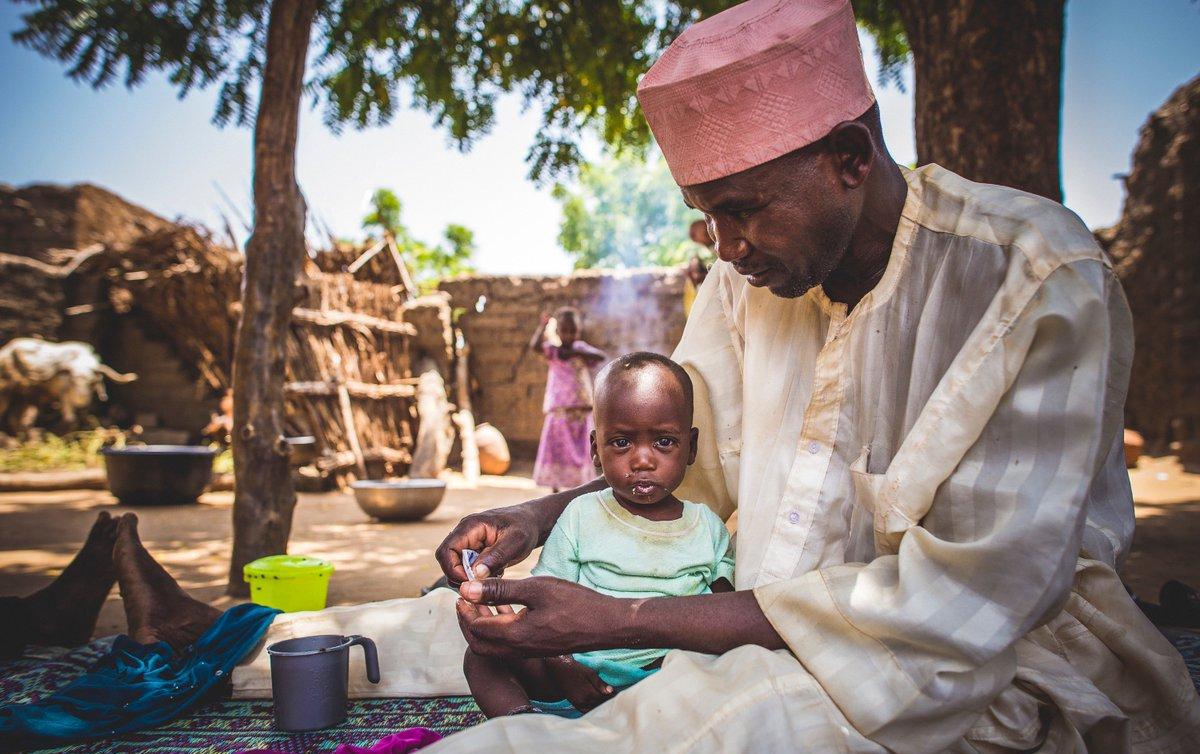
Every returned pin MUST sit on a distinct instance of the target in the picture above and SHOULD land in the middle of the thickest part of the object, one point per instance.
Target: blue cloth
(613, 672)
(562, 708)
(136, 685)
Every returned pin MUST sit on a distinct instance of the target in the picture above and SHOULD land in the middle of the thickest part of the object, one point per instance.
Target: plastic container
(290, 583)
(310, 678)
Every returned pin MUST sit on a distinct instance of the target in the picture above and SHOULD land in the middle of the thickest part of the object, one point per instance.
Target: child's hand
(581, 685)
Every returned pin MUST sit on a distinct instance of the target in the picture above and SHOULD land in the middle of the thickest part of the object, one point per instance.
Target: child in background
(634, 539)
(562, 457)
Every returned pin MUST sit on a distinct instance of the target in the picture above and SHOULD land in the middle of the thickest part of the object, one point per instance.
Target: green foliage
(70, 452)
(428, 264)
(625, 212)
(577, 61)
(882, 20)
(385, 213)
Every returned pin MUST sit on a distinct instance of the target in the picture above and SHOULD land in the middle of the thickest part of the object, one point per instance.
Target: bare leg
(65, 612)
(501, 687)
(156, 608)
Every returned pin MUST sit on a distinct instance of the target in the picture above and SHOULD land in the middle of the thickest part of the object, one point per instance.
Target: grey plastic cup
(309, 679)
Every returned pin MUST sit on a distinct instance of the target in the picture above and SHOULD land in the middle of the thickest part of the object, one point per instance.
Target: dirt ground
(39, 532)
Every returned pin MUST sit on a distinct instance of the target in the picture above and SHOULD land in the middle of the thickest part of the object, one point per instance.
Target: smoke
(626, 314)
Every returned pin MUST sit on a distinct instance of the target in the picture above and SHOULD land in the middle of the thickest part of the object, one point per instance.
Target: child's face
(643, 439)
(568, 329)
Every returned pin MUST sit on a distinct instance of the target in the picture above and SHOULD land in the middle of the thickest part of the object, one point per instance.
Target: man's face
(786, 224)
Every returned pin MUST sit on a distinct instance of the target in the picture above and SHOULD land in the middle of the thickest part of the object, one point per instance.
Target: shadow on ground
(40, 532)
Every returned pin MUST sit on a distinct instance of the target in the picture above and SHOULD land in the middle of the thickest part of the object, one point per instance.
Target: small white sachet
(468, 560)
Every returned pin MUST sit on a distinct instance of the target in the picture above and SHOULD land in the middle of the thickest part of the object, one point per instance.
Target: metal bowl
(158, 474)
(302, 450)
(399, 500)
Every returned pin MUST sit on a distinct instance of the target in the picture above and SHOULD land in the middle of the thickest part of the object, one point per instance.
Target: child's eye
(665, 442)
(619, 442)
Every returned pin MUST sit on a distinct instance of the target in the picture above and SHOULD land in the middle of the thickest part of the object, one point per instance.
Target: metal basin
(399, 500)
(158, 474)
(302, 450)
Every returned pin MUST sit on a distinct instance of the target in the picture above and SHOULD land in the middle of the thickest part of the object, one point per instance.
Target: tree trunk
(263, 494)
(988, 95)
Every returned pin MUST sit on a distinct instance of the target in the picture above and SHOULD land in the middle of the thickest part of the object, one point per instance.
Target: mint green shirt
(600, 545)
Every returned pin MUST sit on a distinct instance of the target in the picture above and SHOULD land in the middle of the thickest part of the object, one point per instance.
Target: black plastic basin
(158, 474)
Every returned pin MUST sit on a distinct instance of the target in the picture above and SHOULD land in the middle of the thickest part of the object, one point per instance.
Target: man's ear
(695, 433)
(853, 149)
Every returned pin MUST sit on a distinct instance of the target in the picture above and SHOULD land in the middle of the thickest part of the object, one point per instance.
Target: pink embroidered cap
(753, 83)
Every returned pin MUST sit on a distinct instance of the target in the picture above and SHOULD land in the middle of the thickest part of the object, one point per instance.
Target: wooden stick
(334, 318)
(464, 418)
(351, 433)
(370, 391)
(46, 481)
(365, 257)
(409, 286)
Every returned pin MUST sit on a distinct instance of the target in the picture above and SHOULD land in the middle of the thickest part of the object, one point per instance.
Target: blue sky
(1122, 59)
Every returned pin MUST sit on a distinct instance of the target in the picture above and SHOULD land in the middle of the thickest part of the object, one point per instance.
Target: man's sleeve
(711, 352)
(914, 645)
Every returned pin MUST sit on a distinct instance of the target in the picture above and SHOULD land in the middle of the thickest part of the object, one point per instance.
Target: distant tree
(577, 61)
(429, 263)
(988, 84)
(625, 211)
(385, 213)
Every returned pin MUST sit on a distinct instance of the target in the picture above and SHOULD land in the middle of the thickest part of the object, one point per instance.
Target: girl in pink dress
(564, 457)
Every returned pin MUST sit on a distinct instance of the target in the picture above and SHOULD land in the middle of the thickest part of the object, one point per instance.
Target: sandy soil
(1166, 542)
(39, 533)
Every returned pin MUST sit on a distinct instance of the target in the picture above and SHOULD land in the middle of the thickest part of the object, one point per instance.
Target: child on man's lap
(634, 539)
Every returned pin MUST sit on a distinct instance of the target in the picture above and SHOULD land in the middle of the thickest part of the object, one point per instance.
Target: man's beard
(834, 241)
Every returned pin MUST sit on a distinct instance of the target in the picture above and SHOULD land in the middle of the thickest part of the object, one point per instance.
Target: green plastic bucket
(290, 583)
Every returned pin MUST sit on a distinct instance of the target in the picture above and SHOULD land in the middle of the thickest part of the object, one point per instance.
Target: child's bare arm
(539, 335)
(721, 585)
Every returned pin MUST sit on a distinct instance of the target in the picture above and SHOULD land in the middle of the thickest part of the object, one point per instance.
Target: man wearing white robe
(922, 443)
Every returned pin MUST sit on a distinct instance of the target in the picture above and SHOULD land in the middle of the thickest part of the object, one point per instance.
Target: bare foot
(65, 612)
(156, 608)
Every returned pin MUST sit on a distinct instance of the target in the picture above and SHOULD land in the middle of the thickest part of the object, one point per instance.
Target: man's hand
(501, 536)
(562, 617)
(559, 618)
(582, 686)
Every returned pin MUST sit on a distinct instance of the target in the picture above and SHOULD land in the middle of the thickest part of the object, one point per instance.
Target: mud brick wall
(31, 299)
(37, 218)
(165, 389)
(623, 310)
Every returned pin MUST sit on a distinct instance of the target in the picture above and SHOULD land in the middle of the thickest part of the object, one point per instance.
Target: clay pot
(494, 457)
